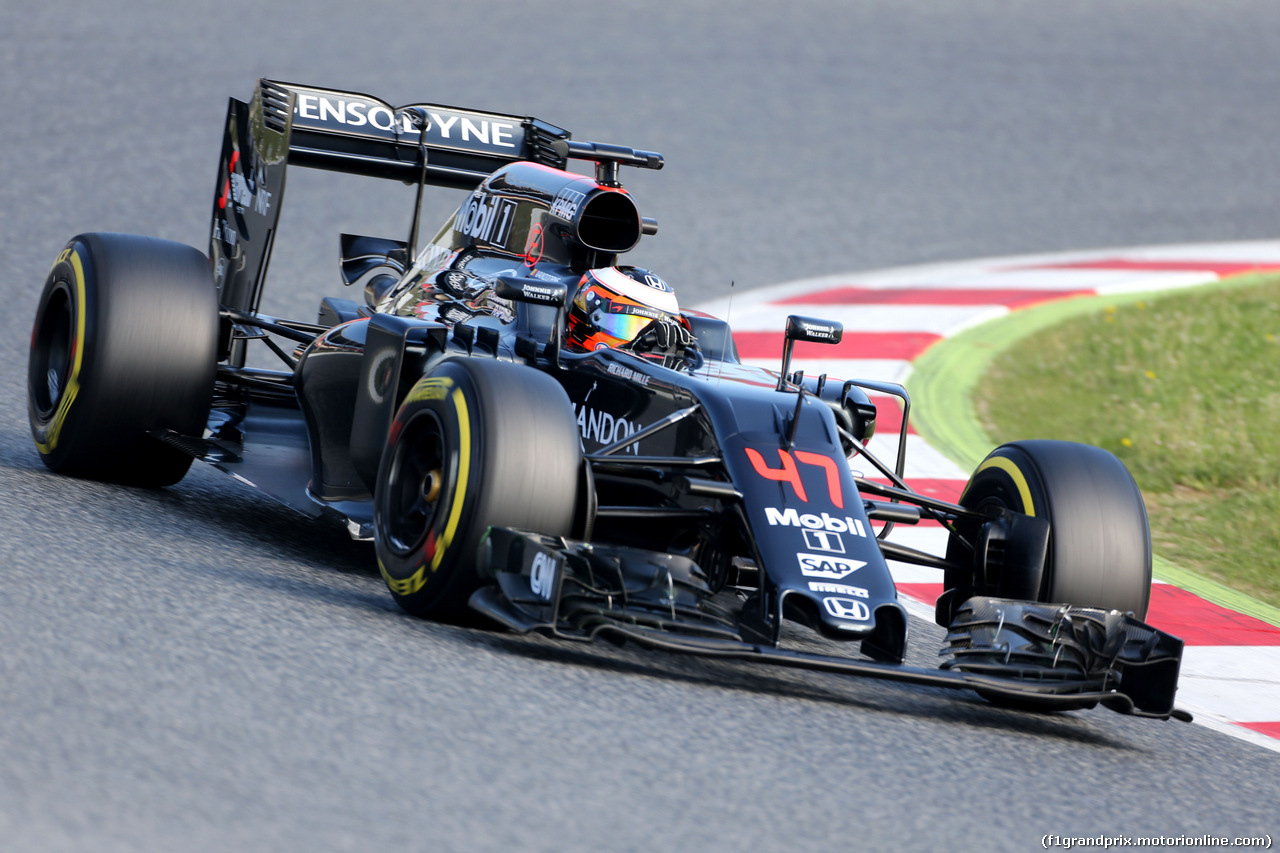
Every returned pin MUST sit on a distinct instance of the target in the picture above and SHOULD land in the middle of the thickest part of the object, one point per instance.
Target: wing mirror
(806, 329)
(537, 292)
(531, 290)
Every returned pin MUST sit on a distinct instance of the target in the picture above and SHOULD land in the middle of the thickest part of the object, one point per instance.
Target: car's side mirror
(538, 292)
(806, 329)
(531, 290)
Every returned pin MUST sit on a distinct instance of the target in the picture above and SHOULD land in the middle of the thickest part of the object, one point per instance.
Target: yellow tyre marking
(464, 471)
(431, 388)
(1015, 474)
(407, 586)
(73, 381)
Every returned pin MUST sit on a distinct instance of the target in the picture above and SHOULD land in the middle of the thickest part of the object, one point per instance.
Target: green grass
(1185, 389)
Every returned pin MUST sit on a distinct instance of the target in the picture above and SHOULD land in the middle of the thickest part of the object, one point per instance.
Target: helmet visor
(621, 322)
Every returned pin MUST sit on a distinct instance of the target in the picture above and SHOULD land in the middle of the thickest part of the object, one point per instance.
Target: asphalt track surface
(197, 669)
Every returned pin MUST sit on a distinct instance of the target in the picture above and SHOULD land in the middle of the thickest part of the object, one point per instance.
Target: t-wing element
(806, 329)
(607, 158)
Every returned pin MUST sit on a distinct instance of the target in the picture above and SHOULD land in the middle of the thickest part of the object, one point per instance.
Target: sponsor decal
(430, 388)
(549, 295)
(224, 232)
(846, 608)
(789, 472)
(657, 283)
(838, 588)
(542, 575)
(628, 374)
(486, 219)
(812, 330)
(480, 130)
(359, 113)
(639, 311)
(826, 566)
(790, 517)
(823, 540)
(352, 113)
(453, 314)
(604, 428)
(402, 586)
(566, 204)
(454, 282)
(246, 193)
(242, 191)
(534, 246)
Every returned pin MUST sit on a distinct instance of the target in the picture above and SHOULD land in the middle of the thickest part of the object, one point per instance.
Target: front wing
(1046, 657)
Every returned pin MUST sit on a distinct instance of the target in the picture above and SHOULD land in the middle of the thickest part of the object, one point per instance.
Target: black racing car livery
(660, 492)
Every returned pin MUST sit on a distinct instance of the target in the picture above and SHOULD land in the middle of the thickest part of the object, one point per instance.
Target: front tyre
(477, 443)
(124, 343)
(1099, 550)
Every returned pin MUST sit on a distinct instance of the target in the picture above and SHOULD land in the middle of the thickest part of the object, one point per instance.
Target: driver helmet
(614, 304)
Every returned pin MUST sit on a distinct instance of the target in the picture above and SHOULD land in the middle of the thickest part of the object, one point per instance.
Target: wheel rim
(990, 489)
(415, 484)
(51, 350)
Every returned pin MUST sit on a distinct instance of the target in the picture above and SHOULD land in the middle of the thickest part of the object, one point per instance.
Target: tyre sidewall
(424, 575)
(54, 433)
(513, 428)
(144, 356)
(1099, 540)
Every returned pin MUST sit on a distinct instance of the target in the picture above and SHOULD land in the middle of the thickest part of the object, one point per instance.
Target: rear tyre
(125, 342)
(1099, 540)
(476, 444)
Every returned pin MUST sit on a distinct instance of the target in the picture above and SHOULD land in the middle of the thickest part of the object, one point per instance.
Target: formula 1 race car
(513, 467)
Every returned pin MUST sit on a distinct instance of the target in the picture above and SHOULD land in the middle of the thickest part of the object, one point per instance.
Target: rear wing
(352, 133)
(358, 134)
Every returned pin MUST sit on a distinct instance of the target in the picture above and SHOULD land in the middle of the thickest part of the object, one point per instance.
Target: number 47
(789, 473)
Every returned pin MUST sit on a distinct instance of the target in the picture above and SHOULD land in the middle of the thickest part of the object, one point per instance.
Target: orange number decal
(787, 473)
(833, 474)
